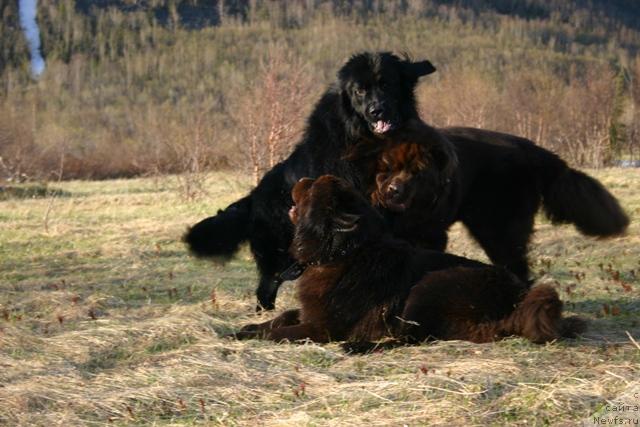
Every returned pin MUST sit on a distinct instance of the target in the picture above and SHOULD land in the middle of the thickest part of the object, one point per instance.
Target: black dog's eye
(360, 91)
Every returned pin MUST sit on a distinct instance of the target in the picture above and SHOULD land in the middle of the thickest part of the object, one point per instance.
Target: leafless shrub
(584, 135)
(270, 115)
(573, 119)
(188, 148)
(632, 114)
(459, 98)
(17, 147)
(52, 197)
(529, 106)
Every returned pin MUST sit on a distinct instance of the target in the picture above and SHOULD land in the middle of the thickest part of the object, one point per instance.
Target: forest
(139, 88)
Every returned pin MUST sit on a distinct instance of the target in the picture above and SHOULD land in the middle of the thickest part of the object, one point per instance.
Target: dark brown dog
(360, 284)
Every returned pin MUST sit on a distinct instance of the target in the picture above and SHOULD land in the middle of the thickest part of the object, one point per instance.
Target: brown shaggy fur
(361, 284)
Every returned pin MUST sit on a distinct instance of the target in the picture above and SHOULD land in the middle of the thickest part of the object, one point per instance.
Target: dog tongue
(381, 126)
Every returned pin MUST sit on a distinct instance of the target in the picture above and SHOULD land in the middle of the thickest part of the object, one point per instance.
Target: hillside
(147, 87)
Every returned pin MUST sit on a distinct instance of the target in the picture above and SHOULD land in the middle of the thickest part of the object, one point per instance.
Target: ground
(104, 318)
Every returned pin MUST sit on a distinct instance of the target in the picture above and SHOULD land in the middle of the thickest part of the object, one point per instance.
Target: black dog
(361, 284)
(495, 191)
(499, 184)
(372, 99)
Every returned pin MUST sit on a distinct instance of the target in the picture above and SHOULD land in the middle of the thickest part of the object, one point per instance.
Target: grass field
(104, 319)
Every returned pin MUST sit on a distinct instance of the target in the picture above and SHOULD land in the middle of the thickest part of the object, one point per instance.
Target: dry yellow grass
(104, 319)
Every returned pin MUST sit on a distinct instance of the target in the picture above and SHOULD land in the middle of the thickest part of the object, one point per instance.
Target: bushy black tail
(577, 198)
(220, 235)
(571, 196)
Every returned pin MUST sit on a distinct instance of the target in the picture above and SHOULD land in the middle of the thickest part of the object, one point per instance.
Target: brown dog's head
(331, 219)
(406, 174)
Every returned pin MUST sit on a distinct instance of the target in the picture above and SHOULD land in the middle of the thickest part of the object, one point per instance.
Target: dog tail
(538, 317)
(220, 235)
(571, 196)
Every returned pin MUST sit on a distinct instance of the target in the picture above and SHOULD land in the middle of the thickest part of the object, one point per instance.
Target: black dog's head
(331, 219)
(377, 91)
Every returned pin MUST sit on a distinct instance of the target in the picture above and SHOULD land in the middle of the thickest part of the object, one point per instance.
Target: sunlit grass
(104, 317)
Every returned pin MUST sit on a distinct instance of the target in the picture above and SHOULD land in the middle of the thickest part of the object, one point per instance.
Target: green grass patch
(104, 318)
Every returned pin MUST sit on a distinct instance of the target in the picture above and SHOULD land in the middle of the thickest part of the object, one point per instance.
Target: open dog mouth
(382, 126)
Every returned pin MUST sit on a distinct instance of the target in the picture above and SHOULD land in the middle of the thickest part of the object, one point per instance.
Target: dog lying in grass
(360, 284)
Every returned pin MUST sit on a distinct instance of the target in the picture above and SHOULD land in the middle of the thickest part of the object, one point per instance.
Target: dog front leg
(258, 330)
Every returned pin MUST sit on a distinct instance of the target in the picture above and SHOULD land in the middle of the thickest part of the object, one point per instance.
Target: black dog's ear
(418, 69)
(345, 222)
(444, 154)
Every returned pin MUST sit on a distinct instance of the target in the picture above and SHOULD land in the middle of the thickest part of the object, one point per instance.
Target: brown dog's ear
(345, 222)
(415, 70)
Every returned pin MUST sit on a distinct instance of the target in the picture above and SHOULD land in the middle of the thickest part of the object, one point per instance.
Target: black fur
(362, 284)
(341, 120)
(229, 226)
(498, 186)
(574, 197)
(504, 179)
(495, 187)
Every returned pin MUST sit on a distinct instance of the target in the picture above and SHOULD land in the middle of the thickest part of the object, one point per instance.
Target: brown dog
(360, 284)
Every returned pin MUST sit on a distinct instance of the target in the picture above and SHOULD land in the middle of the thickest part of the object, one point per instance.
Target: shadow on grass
(607, 307)
(609, 319)
(30, 191)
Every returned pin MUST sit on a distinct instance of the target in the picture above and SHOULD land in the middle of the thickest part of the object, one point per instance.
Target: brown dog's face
(330, 218)
(401, 169)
